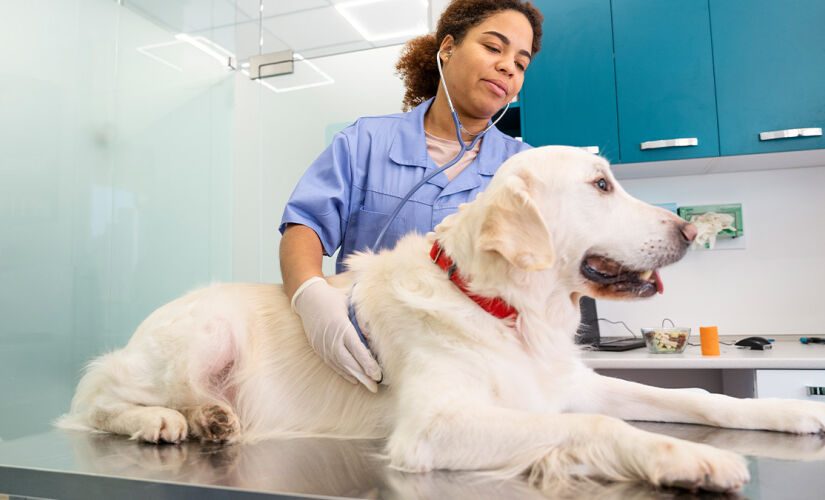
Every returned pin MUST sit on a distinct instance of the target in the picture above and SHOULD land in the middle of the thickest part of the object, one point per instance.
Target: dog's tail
(90, 387)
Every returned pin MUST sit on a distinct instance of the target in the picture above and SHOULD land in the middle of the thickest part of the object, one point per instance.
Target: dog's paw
(214, 422)
(161, 425)
(697, 466)
(794, 416)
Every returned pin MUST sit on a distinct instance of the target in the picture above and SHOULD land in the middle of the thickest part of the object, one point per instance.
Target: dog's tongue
(659, 286)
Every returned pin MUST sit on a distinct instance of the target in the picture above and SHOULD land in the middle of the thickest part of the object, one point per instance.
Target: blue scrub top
(347, 194)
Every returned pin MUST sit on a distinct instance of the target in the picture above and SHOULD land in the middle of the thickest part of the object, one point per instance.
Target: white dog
(463, 389)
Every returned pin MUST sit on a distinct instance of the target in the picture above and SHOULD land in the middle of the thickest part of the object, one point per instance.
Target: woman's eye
(603, 185)
(521, 66)
(492, 49)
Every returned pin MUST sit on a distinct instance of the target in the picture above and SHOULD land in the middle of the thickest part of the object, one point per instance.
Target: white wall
(278, 135)
(772, 287)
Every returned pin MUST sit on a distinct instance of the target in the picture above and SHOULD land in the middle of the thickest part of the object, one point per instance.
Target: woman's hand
(323, 309)
(325, 314)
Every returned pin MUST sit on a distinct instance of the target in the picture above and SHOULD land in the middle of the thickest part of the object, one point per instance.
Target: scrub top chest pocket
(363, 228)
(375, 205)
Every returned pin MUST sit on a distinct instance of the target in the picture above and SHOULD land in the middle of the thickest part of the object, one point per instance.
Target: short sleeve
(321, 198)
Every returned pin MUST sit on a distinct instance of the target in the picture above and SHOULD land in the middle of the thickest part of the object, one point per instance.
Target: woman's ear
(514, 227)
(446, 47)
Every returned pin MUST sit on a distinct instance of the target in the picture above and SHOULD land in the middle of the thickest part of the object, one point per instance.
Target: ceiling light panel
(382, 20)
(306, 75)
(278, 7)
(341, 48)
(310, 29)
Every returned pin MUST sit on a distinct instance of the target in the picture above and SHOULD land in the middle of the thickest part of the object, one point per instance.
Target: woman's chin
(486, 108)
(491, 108)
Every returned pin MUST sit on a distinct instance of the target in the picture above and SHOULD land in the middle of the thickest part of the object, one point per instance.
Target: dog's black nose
(689, 232)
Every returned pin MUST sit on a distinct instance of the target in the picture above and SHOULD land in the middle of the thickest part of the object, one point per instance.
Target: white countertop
(787, 353)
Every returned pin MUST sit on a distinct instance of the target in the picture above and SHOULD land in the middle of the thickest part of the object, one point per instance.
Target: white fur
(462, 389)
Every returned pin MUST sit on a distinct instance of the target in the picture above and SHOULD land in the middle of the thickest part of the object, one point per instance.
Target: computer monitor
(588, 332)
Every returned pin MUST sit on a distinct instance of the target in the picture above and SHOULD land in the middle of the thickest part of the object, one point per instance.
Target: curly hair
(417, 66)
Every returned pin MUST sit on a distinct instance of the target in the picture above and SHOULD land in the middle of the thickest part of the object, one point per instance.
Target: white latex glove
(324, 312)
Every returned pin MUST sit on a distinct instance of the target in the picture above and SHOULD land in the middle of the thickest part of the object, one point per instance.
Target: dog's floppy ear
(514, 227)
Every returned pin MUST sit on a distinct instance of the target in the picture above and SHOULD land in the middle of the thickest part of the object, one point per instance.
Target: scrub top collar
(409, 147)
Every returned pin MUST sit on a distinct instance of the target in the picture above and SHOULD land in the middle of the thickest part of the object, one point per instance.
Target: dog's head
(561, 208)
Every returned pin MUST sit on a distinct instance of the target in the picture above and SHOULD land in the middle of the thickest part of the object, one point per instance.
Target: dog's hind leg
(214, 422)
(154, 424)
(106, 401)
(212, 368)
(174, 378)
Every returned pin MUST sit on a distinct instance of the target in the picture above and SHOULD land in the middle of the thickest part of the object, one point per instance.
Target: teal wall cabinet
(769, 58)
(664, 80)
(569, 92)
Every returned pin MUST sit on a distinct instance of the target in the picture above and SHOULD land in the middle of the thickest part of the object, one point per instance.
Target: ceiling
(312, 28)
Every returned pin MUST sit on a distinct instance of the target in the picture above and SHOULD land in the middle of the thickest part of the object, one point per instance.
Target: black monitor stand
(588, 332)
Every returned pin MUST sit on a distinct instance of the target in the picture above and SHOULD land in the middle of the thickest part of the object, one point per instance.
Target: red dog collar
(495, 306)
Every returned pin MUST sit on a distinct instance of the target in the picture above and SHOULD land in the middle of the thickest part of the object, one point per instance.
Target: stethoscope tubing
(464, 147)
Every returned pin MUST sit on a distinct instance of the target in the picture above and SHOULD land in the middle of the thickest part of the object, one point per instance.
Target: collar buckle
(438, 254)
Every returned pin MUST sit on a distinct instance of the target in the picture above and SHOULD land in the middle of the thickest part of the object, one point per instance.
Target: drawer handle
(790, 133)
(671, 143)
(591, 149)
(815, 391)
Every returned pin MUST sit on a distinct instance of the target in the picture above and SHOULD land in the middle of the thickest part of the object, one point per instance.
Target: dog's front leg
(552, 447)
(633, 401)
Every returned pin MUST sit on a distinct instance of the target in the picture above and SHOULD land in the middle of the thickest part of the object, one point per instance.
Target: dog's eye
(603, 185)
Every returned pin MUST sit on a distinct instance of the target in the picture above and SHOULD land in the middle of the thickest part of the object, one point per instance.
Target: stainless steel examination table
(75, 465)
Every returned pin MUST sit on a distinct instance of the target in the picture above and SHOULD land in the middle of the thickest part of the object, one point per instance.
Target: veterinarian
(344, 198)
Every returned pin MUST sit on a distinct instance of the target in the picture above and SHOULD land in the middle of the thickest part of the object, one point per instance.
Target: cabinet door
(569, 93)
(664, 79)
(770, 72)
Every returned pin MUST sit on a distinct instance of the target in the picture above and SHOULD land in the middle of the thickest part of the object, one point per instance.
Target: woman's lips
(495, 88)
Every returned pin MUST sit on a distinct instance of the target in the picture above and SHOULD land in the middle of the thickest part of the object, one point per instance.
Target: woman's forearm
(301, 254)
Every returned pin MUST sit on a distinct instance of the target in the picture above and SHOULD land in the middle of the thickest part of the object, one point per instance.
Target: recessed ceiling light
(378, 20)
(325, 78)
(203, 44)
(208, 47)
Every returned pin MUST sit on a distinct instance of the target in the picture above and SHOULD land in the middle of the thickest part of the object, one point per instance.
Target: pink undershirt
(444, 150)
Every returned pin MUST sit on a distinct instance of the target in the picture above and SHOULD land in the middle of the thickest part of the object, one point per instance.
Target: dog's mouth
(616, 278)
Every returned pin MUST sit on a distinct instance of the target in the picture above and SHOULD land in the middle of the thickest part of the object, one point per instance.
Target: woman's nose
(508, 68)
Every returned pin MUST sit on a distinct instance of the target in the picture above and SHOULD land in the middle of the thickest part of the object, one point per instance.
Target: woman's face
(486, 70)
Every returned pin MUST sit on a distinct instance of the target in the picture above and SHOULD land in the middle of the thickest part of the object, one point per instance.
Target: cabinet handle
(671, 143)
(815, 391)
(591, 149)
(790, 133)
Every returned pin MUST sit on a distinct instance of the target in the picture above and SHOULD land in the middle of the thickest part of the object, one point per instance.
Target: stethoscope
(464, 147)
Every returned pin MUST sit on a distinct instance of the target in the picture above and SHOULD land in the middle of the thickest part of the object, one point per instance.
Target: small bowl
(666, 340)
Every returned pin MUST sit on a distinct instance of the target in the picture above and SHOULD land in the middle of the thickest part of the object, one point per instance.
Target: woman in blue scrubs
(345, 196)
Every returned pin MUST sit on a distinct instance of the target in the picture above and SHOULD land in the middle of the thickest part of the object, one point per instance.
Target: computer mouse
(755, 343)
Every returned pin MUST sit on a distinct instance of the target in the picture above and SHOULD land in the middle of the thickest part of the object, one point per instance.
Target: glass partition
(138, 160)
(115, 190)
